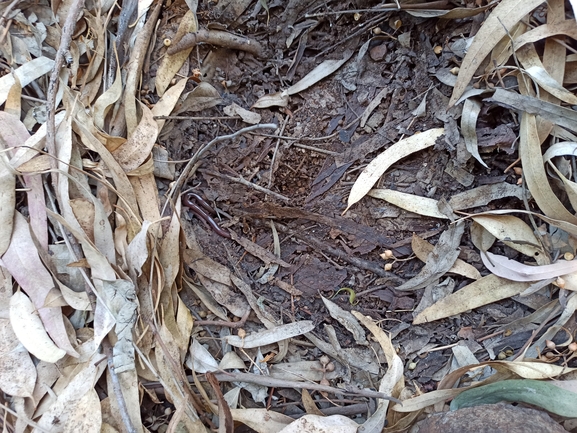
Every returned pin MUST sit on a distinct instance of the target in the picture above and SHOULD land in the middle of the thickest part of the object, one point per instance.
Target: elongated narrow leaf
(481, 292)
(515, 271)
(381, 163)
(534, 172)
(273, 335)
(502, 19)
(471, 110)
(410, 202)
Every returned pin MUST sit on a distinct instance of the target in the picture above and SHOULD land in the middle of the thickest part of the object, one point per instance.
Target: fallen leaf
(440, 260)
(502, 18)
(30, 331)
(270, 336)
(422, 249)
(409, 202)
(378, 166)
(138, 147)
(316, 424)
(171, 63)
(534, 172)
(515, 271)
(481, 292)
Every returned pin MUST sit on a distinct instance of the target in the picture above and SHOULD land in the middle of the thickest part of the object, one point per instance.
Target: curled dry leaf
(514, 232)
(391, 383)
(515, 271)
(246, 115)
(30, 331)
(422, 249)
(315, 423)
(261, 420)
(107, 100)
(25, 74)
(346, 319)
(138, 147)
(24, 264)
(471, 110)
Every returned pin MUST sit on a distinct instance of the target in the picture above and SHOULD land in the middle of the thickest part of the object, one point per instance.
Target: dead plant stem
(117, 388)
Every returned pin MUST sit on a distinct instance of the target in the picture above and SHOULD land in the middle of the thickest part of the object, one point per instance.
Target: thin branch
(69, 25)
(245, 182)
(117, 388)
(280, 383)
(186, 172)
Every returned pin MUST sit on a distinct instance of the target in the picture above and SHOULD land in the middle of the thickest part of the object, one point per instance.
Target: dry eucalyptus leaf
(409, 202)
(391, 383)
(199, 358)
(246, 115)
(17, 370)
(561, 116)
(503, 17)
(378, 166)
(484, 291)
(315, 424)
(346, 319)
(512, 270)
(422, 249)
(323, 70)
(471, 110)
(270, 336)
(513, 231)
(440, 260)
(171, 63)
(534, 172)
(30, 330)
(261, 420)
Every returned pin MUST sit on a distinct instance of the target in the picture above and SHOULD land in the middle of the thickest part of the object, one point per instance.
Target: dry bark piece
(491, 418)
(218, 38)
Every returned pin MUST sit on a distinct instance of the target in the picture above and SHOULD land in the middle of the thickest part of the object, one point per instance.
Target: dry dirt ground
(259, 229)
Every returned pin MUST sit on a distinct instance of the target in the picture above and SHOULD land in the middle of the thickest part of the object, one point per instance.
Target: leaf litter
(112, 293)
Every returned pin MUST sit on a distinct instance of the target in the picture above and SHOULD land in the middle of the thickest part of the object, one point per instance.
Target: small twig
(435, 5)
(245, 182)
(280, 383)
(186, 172)
(196, 117)
(117, 388)
(69, 25)
(272, 169)
(316, 149)
(227, 324)
(23, 418)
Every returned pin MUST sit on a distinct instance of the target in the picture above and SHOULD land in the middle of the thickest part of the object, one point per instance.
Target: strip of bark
(218, 38)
